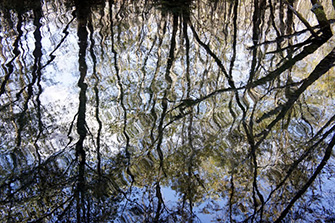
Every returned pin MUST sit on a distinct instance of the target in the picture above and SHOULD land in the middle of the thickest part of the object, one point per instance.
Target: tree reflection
(168, 115)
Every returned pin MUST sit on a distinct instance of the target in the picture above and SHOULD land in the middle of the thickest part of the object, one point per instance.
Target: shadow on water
(166, 111)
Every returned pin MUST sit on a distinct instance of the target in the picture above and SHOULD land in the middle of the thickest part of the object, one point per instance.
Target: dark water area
(167, 111)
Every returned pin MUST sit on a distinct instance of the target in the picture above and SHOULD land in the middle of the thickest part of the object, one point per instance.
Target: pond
(167, 111)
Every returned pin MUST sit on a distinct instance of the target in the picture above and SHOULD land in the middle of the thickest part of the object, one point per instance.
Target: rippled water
(167, 111)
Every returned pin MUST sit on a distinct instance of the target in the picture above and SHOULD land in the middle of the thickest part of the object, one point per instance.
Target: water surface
(167, 111)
